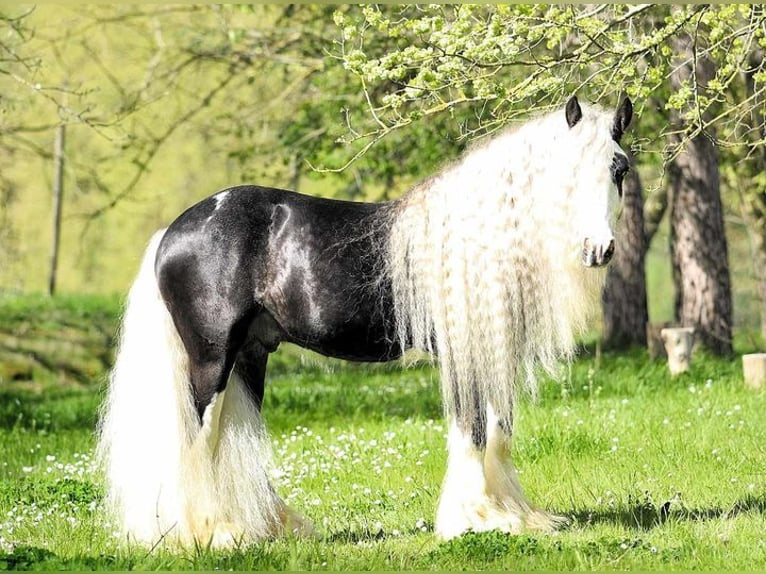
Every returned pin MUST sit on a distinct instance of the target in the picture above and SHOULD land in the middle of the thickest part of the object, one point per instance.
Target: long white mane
(485, 259)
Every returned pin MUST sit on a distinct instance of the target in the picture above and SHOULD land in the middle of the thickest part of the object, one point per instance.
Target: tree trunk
(697, 240)
(58, 193)
(698, 246)
(624, 298)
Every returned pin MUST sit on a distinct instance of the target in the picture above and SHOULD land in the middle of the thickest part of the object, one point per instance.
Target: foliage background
(166, 105)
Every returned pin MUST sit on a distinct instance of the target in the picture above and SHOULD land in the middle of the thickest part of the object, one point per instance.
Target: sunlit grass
(654, 473)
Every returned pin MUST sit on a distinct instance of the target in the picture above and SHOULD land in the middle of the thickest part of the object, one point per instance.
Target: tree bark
(698, 247)
(624, 298)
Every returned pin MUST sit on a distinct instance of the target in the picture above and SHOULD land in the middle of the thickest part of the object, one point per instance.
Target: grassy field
(654, 473)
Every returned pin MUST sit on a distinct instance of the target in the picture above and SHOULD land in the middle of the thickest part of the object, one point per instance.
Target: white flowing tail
(168, 478)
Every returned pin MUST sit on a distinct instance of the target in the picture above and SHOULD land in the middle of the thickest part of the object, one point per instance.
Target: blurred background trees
(164, 105)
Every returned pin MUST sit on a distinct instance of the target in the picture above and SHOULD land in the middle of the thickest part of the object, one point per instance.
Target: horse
(490, 265)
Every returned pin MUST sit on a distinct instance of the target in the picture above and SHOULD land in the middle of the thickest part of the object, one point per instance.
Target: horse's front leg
(464, 504)
(481, 491)
(502, 484)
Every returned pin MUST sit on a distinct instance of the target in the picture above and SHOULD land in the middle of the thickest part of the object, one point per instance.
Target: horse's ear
(622, 119)
(573, 111)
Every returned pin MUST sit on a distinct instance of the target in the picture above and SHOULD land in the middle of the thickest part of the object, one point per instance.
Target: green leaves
(417, 62)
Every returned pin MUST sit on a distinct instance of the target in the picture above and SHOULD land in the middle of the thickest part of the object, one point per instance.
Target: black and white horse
(486, 265)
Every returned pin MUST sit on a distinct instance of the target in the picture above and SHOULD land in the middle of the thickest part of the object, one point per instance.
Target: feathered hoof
(226, 535)
(541, 521)
(486, 515)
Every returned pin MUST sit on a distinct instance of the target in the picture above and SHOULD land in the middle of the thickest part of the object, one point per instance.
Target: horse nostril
(588, 253)
(595, 255)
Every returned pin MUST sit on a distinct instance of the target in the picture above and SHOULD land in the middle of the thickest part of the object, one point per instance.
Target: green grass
(654, 473)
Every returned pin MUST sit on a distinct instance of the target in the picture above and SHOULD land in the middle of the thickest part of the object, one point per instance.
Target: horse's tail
(169, 476)
(147, 416)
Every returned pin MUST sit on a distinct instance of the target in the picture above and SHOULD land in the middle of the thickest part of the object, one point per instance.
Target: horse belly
(352, 337)
(334, 320)
(355, 347)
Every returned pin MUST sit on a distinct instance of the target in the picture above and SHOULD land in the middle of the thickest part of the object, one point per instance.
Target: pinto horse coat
(488, 265)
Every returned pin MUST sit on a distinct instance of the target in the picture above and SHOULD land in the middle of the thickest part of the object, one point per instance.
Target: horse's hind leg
(229, 498)
(205, 520)
(250, 372)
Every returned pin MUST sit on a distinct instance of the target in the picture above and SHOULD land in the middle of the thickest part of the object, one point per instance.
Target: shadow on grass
(756, 504)
(645, 515)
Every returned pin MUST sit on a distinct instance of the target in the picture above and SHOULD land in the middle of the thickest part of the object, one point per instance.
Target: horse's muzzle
(597, 254)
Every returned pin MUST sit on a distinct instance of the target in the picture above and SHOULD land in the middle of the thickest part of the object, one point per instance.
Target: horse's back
(298, 268)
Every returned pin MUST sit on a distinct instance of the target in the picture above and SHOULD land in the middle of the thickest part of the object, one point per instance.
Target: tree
(698, 242)
(186, 80)
(624, 308)
(55, 78)
(500, 61)
(699, 247)
(392, 91)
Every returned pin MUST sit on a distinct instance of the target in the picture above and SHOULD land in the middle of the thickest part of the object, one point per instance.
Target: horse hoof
(541, 521)
(488, 515)
(476, 516)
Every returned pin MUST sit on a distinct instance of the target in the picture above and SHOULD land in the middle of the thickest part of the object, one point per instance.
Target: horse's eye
(623, 172)
(619, 177)
(619, 169)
